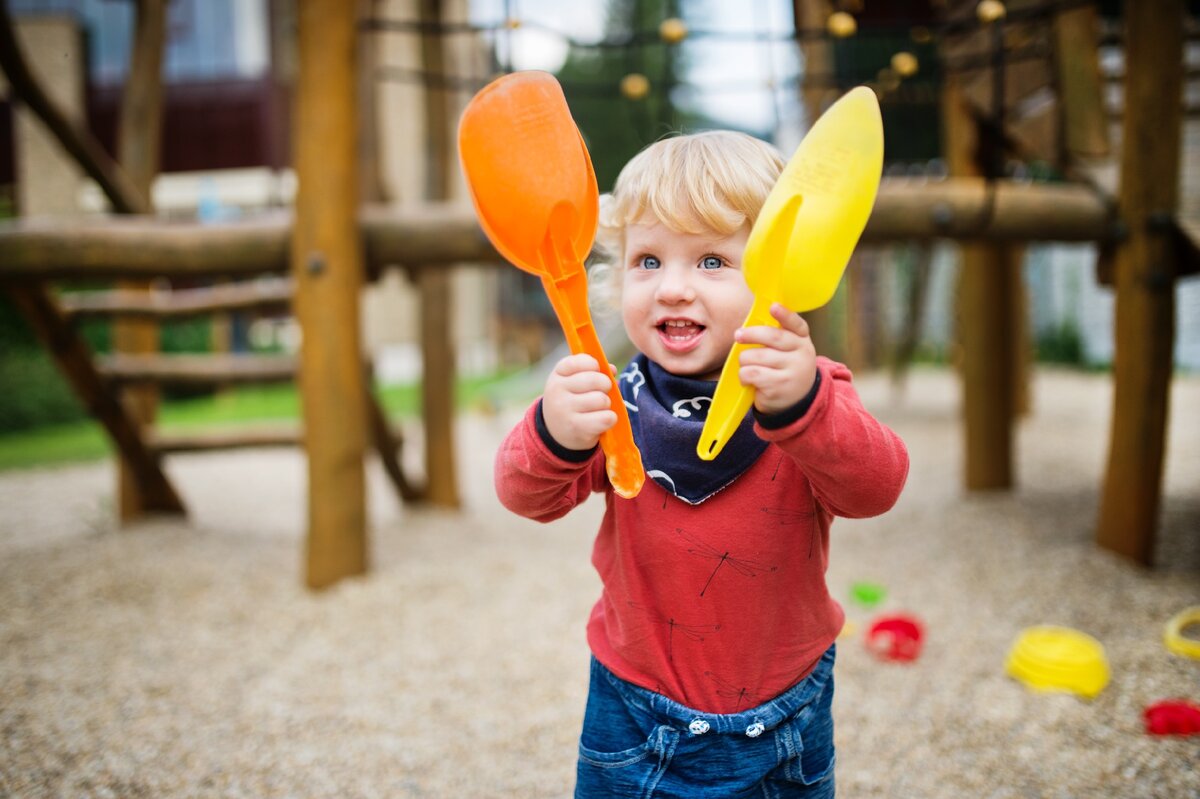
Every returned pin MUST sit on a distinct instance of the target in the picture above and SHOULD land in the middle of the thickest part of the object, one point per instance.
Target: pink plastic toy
(896, 637)
(1172, 717)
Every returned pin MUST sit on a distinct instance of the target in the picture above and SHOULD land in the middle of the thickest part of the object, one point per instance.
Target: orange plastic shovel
(534, 190)
(804, 236)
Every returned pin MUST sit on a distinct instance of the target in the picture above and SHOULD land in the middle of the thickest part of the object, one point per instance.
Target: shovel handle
(732, 399)
(622, 460)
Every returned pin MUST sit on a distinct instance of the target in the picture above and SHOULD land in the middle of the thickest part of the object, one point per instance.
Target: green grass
(83, 441)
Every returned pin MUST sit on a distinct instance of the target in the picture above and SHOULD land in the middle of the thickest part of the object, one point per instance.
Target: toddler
(713, 639)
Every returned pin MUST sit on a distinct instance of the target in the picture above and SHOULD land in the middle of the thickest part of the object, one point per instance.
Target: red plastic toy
(1172, 717)
(896, 637)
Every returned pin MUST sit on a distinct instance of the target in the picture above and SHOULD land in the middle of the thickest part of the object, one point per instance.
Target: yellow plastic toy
(1173, 634)
(803, 237)
(1050, 658)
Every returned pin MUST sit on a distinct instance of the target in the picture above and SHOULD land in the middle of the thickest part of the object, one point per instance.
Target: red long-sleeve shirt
(721, 606)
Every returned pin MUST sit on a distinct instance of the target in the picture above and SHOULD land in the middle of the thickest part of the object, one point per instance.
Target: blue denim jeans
(642, 745)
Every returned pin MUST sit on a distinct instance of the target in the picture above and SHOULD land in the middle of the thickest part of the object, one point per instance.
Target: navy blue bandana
(667, 413)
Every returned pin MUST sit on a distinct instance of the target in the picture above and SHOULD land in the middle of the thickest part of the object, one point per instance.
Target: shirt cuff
(778, 421)
(569, 455)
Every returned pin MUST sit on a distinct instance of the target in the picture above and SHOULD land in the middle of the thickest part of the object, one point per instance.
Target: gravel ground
(186, 659)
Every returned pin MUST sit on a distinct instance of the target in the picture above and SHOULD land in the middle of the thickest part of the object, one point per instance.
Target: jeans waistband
(770, 714)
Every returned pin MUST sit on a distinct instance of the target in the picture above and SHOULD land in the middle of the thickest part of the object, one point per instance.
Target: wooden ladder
(98, 380)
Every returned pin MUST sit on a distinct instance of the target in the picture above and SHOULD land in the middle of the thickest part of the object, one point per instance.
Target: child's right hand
(575, 404)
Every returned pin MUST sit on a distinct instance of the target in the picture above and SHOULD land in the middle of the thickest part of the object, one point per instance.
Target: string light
(841, 24)
(990, 11)
(635, 86)
(905, 64)
(673, 30)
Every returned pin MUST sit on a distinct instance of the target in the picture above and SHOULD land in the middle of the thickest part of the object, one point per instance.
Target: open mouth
(679, 333)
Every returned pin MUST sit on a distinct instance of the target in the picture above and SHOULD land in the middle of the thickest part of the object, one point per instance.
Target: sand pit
(186, 659)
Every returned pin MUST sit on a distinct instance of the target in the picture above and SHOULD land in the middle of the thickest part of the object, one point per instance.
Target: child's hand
(575, 404)
(783, 369)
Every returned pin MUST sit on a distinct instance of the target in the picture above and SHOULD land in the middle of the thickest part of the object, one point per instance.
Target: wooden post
(1080, 86)
(437, 345)
(985, 314)
(1145, 278)
(327, 267)
(139, 138)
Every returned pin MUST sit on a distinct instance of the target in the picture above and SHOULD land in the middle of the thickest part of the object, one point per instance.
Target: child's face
(683, 296)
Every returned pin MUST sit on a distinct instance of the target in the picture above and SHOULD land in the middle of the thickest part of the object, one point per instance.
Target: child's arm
(856, 465)
(550, 462)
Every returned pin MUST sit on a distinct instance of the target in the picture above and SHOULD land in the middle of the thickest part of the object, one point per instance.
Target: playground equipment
(1052, 658)
(1148, 241)
(535, 193)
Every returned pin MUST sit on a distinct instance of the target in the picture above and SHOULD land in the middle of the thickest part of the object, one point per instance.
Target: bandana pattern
(667, 413)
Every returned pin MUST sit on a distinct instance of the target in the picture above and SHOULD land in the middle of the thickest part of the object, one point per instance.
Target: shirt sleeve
(856, 465)
(533, 481)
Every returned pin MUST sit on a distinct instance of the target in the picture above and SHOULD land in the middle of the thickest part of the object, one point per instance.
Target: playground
(185, 659)
(332, 600)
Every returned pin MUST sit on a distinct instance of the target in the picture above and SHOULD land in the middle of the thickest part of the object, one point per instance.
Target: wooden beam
(139, 142)
(1080, 86)
(197, 370)
(969, 208)
(985, 312)
(242, 437)
(1145, 267)
(75, 139)
(388, 444)
(327, 267)
(75, 361)
(112, 247)
(433, 236)
(437, 341)
(259, 295)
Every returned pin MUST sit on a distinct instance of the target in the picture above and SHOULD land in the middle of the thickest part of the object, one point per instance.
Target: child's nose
(675, 286)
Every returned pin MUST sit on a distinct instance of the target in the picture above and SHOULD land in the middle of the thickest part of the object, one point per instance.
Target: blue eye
(711, 262)
(650, 262)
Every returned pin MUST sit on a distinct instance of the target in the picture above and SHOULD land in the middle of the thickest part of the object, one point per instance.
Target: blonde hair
(715, 181)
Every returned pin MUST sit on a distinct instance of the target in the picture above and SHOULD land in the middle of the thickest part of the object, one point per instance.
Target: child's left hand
(783, 370)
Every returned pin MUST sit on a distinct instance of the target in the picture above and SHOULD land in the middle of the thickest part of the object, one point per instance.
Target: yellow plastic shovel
(535, 195)
(803, 237)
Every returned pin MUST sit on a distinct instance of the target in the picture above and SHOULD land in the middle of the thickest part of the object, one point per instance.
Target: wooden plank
(242, 437)
(261, 295)
(196, 370)
(75, 362)
(1145, 279)
(327, 267)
